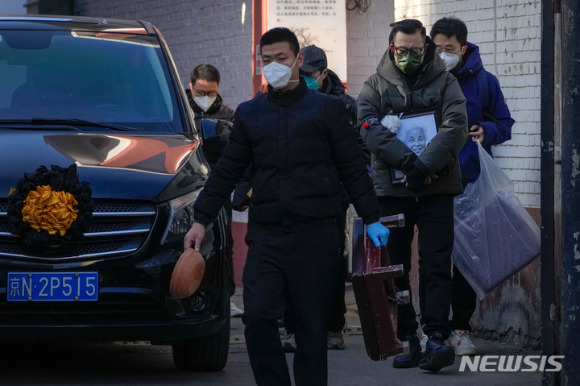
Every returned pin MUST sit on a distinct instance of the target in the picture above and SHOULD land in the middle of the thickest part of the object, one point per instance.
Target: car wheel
(209, 353)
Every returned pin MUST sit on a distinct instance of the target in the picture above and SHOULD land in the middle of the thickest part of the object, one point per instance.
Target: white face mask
(204, 102)
(278, 75)
(451, 60)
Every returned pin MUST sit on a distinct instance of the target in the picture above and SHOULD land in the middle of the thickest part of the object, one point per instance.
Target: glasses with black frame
(201, 93)
(414, 51)
(448, 50)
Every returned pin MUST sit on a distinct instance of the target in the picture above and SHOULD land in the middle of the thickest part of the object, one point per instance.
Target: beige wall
(509, 36)
(367, 40)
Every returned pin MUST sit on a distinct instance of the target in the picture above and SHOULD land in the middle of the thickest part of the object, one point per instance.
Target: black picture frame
(417, 130)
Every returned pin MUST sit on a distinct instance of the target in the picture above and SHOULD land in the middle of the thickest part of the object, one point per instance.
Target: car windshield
(115, 77)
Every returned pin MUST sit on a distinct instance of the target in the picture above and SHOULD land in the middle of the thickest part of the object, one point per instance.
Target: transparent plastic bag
(495, 237)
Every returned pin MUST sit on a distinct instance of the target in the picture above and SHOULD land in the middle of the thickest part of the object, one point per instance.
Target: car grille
(116, 228)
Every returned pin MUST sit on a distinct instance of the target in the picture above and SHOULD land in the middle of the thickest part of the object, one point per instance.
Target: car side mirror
(218, 129)
(215, 133)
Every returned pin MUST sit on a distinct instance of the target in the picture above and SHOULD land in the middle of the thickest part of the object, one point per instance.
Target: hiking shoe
(335, 341)
(461, 342)
(423, 341)
(410, 359)
(234, 310)
(437, 354)
(288, 341)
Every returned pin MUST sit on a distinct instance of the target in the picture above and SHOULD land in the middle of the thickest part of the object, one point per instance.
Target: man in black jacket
(203, 95)
(300, 147)
(411, 78)
(322, 79)
(206, 103)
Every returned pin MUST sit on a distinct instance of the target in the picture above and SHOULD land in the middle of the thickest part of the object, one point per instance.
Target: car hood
(115, 165)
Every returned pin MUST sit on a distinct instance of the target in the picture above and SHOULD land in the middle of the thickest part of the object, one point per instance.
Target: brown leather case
(375, 292)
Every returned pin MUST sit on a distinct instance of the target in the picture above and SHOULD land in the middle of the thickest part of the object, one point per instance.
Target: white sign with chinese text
(318, 22)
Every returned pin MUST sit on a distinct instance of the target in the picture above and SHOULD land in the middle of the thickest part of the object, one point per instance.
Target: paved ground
(138, 363)
(353, 367)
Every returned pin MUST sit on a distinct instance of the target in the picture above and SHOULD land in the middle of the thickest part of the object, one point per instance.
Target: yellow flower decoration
(48, 210)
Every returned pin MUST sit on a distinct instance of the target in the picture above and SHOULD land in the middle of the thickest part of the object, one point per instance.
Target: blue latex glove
(378, 233)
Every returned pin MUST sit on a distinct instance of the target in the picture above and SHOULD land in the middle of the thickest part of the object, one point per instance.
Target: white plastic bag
(495, 236)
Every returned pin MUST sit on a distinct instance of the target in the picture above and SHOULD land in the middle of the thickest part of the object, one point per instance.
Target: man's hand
(428, 180)
(415, 179)
(378, 233)
(477, 132)
(194, 237)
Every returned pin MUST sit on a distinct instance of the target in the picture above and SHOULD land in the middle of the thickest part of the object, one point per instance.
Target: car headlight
(180, 218)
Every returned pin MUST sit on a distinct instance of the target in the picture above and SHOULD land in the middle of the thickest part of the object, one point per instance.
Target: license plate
(52, 286)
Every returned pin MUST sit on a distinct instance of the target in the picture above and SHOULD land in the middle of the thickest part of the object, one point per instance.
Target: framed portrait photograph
(417, 129)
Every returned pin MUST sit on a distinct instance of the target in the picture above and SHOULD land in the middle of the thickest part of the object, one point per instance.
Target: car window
(112, 77)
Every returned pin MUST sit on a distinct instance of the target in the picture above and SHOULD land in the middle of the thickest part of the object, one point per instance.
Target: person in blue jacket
(490, 123)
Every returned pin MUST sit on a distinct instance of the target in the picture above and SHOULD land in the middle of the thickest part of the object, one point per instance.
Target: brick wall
(367, 39)
(198, 31)
(509, 36)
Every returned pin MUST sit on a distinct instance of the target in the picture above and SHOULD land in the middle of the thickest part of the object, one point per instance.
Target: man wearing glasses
(203, 95)
(205, 101)
(490, 123)
(411, 77)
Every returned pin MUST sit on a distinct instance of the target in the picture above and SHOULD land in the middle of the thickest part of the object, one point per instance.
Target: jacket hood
(115, 165)
(472, 63)
(332, 84)
(215, 106)
(431, 68)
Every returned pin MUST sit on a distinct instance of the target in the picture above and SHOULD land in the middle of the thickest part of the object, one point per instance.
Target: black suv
(93, 110)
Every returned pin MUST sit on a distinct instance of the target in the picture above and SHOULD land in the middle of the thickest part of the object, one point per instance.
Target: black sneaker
(412, 358)
(437, 354)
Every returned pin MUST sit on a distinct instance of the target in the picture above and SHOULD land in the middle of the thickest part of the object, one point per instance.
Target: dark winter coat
(300, 148)
(485, 107)
(332, 85)
(389, 91)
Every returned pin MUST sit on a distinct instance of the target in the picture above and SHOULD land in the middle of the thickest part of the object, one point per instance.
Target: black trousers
(299, 268)
(337, 319)
(433, 216)
(463, 302)
(337, 315)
